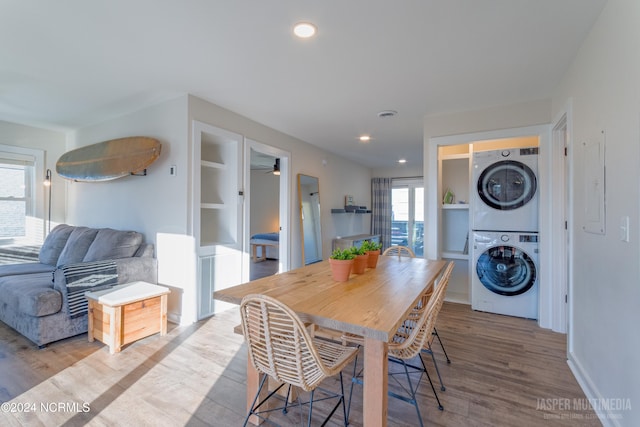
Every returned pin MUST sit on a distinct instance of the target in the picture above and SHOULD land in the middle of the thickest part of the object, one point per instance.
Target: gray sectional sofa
(33, 296)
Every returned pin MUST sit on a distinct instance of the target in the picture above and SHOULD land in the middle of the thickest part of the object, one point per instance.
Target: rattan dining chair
(399, 251)
(407, 344)
(407, 252)
(443, 280)
(441, 283)
(280, 347)
(447, 273)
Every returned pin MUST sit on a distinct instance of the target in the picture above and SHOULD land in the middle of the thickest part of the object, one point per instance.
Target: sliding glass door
(407, 221)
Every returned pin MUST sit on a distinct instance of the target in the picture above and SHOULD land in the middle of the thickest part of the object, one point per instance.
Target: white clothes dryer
(505, 190)
(505, 273)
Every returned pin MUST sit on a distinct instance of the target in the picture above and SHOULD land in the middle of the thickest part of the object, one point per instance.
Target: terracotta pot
(360, 263)
(340, 269)
(373, 258)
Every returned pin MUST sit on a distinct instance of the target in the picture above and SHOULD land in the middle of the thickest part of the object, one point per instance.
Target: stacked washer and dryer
(504, 222)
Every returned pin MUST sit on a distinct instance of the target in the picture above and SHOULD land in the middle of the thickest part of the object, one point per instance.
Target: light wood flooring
(501, 368)
(264, 268)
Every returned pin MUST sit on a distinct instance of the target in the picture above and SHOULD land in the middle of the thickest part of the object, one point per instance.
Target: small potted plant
(341, 261)
(361, 259)
(373, 249)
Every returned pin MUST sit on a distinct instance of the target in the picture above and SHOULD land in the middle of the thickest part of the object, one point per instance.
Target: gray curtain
(381, 210)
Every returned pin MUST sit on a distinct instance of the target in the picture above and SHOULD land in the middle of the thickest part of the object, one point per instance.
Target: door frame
(549, 297)
(212, 253)
(284, 205)
(562, 213)
(410, 184)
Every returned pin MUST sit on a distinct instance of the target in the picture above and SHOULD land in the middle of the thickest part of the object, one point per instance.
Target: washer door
(507, 185)
(506, 270)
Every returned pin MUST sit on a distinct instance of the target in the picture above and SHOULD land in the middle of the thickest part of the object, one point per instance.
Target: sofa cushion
(25, 268)
(54, 244)
(77, 245)
(113, 244)
(31, 294)
(145, 250)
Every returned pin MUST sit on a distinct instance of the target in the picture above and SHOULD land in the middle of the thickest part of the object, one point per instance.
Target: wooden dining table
(372, 305)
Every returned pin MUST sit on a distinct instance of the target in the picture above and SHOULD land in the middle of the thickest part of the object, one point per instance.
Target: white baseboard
(457, 298)
(174, 318)
(591, 392)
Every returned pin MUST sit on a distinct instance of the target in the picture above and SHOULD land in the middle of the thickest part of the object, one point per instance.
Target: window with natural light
(407, 222)
(14, 203)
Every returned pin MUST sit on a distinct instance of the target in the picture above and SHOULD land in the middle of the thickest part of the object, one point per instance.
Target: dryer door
(507, 185)
(506, 270)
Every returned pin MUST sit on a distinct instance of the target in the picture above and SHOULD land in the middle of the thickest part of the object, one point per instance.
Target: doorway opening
(267, 210)
(549, 295)
(407, 210)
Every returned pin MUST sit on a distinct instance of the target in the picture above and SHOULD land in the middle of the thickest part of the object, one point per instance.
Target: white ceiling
(261, 161)
(69, 63)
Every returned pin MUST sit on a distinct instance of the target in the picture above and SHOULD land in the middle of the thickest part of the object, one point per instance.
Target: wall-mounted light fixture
(47, 183)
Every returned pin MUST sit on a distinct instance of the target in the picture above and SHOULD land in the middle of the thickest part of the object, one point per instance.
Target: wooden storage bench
(126, 313)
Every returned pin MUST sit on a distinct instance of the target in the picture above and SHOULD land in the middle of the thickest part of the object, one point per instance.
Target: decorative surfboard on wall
(109, 160)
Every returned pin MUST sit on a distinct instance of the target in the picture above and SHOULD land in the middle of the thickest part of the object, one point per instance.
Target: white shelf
(211, 205)
(455, 206)
(215, 165)
(454, 173)
(455, 156)
(454, 255)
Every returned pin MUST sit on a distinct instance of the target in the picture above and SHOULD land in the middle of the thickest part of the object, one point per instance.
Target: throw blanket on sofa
(87, 276)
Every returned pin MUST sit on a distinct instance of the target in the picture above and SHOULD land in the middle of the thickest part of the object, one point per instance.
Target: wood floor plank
(196, 375)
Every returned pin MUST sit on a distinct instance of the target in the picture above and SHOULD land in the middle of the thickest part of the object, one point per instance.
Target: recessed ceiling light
(365, 138)
(401, 161)
(304, 30)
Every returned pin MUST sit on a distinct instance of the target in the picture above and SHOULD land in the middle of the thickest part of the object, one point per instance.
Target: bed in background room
(264, 245)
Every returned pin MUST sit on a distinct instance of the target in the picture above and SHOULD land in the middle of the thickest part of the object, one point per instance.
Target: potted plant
(341, 261)
(360, 260)
(373, 249)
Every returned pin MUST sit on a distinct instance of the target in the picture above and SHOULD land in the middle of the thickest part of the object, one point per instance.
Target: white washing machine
(505, 273)
(505, 190)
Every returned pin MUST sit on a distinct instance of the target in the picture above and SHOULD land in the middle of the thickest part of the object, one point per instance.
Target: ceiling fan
(275, 169)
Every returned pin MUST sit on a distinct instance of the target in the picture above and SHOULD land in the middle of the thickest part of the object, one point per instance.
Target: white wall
(156, 203)
(499, 117)
(265, 194)
(399, 171)
(604, 85)
(52, 143)
(339, 178)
